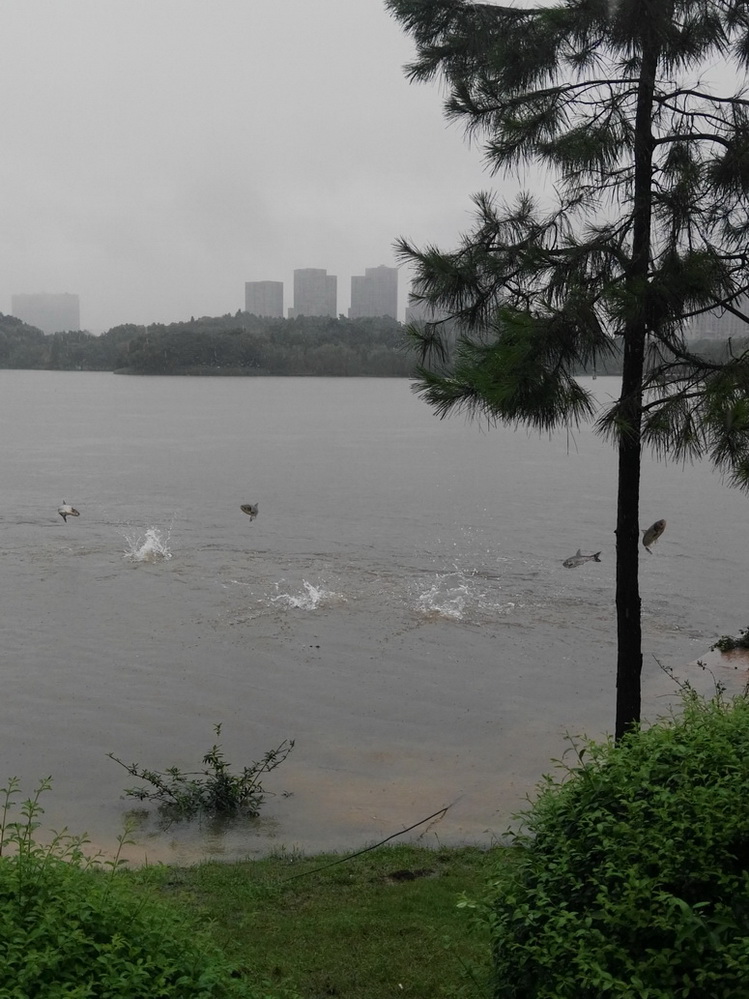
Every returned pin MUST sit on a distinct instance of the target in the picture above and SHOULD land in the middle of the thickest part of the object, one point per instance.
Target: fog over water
(399, 606)
(159, 155)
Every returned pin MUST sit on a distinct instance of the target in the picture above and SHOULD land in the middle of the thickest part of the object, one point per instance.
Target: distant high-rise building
(315, 293)
(49, 313)
(375, 293)
(264, 298)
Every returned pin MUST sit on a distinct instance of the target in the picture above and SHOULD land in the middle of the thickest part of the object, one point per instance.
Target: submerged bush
(727, 643)
(631, 876)
(215, 790)
(76, 928)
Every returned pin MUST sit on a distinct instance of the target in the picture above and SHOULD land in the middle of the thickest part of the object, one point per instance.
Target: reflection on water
(184, 841)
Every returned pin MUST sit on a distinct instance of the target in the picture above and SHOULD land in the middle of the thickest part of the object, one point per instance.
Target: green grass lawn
(386, 923)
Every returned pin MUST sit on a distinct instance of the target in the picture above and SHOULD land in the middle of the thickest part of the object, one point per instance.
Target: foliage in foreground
(213, 791)
(284, 927)
(76, 928)
(631, 877)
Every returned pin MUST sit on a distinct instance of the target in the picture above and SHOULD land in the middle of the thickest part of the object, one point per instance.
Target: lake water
(399, 607)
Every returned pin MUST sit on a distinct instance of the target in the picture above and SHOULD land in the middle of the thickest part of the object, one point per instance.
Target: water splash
(312, 598)
(455, 597)
(153, 546)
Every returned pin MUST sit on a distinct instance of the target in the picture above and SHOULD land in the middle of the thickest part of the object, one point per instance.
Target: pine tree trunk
(628, 603)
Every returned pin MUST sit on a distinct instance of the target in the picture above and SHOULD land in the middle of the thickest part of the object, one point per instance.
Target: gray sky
(157, 154)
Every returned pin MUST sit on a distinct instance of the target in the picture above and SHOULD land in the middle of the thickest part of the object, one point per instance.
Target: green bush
(631, 874)
(727, 643)
(215, 790)
(71, 927)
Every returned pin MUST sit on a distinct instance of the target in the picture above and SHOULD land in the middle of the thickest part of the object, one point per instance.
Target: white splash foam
(456, 598)
(312, 598)
(153, 546)
(440, 601)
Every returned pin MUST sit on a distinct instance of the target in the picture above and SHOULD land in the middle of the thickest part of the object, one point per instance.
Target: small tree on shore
(648, 226)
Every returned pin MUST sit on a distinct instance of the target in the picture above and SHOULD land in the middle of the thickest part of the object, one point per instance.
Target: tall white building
(375, 293)
(264, 298)
(49, 313)
(315, 293)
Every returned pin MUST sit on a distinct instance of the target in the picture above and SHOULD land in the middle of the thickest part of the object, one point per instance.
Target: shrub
(77, 928)
(215, 790)
(727, 643)
(630, 876)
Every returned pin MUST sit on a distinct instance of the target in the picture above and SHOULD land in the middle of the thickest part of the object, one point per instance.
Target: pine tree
(621, 103)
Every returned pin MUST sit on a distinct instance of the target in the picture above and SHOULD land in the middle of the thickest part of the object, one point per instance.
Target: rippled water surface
(399, 606)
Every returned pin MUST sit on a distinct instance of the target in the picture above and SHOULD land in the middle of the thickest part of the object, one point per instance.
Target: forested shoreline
(240, 344)
(243, 345)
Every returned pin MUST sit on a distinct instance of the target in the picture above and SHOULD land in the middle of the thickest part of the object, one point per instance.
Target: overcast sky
(157, 154)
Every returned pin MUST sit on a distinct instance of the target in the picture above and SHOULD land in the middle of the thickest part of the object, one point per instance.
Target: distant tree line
(712, 350)
(609, 362)
(244, 344)
(240, 344)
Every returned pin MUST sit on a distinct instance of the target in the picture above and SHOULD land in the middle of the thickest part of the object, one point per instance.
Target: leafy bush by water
(727, 643)
(215, 790)
(76, 928)
(631, 878)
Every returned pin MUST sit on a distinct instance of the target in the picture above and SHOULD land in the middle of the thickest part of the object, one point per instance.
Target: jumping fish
(250, 509)
(652, 534)
(578, 559)
(66, 510)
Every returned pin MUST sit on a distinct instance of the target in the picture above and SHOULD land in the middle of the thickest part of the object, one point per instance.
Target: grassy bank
(386, 923)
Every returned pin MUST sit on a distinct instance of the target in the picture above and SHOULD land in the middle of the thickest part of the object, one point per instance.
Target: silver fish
(66, 510)
(652, 534)
(578, 559)
(250, 509)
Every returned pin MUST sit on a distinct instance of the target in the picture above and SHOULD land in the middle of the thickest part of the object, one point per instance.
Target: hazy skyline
(159, 155)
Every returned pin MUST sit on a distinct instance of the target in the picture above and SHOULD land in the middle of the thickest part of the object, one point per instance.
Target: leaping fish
(66, 510)
(652, 534)
(579, 559)
(250, 509)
